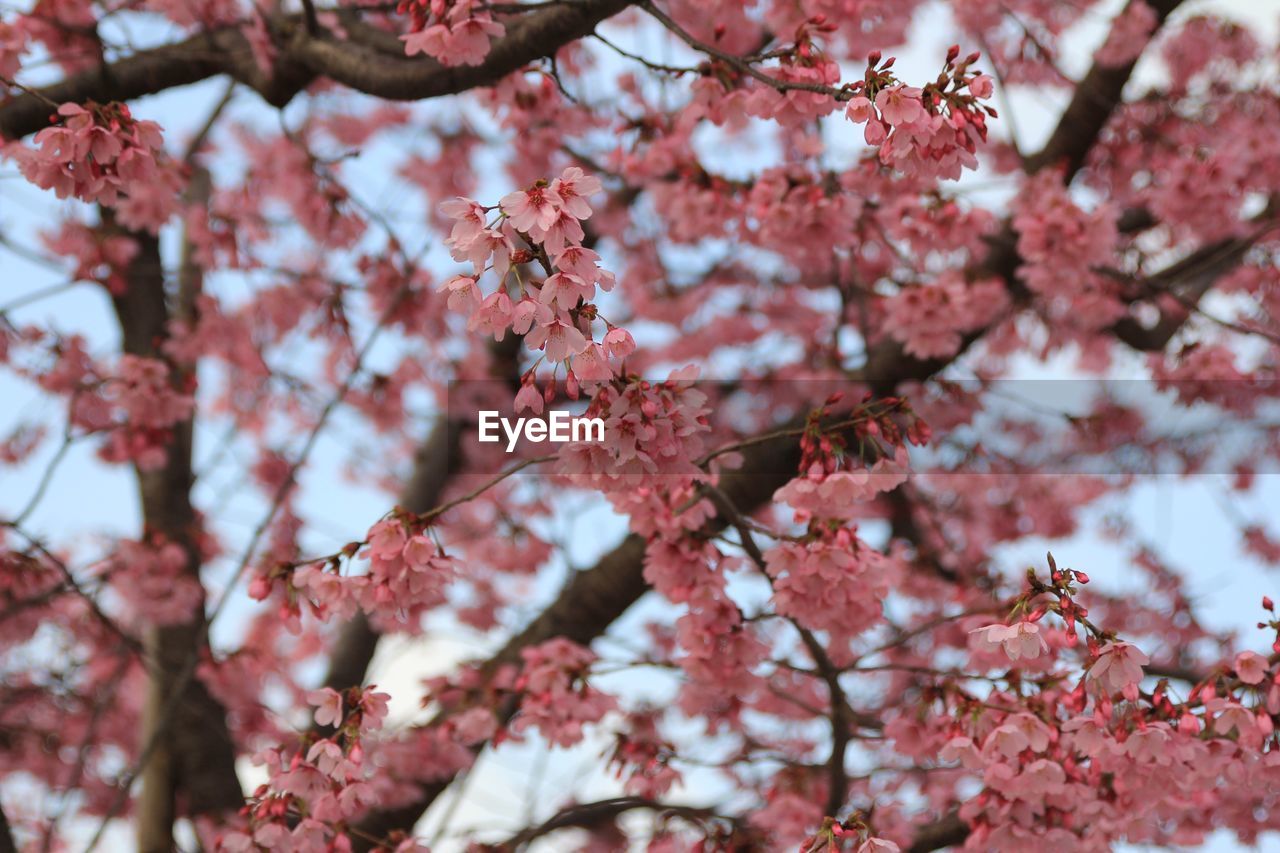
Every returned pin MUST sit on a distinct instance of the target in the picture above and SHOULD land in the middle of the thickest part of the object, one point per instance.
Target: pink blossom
(533, 210)
(574, 187)
(563, 290)
(875, 132)
(1251, 667)
(435, 40)
(464, 293)
(618, 343)
(328, 704)
(1232, 716)
(982, 86)
(493, 316)
(565, 231)
(529, 398)
(591, 365)
(460, 36)
(559, 338)
(1149, 744)
(1019, 640)
(900, 104)
(877, 845)
(1118, 667)
(859, 109)
(1019, 732)
(961, 749)
(373, 708)
(469, 40)
(475, 725)
(387, 539)
(527, 312)
(468, 219)
(583, 263)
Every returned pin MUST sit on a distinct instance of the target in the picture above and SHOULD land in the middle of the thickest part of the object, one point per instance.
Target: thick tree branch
(1189, 280)
(6, 835)
(373, 72)
(594, 814)
(1092, 104)
(197, 755)
(950, 831)
(303, 58)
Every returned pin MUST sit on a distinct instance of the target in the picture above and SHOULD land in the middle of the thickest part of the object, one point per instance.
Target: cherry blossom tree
(796, 276)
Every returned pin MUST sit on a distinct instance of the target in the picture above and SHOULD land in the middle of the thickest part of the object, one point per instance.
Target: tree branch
(1189, 280)
(303, 58)
(588, 815)
(950, 831)
(1092, 104)
(197, 754)
(6, 835)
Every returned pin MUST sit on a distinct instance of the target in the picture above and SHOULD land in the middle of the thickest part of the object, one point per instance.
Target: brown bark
(6, 835)
(302, 59)
(949, 831)
(1094, 100)
(195, 755)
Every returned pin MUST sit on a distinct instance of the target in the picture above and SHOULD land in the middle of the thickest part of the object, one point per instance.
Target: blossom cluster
(541, 224)
(312, 790)
(835, 583)
(101, 153)
(153, 582)
(1060, 245)
(929, 319)
(931, 131)
(147, 406)
(652, 433)
(456, 32)
(843, 495)
(1088, 761)
(103, 258)
(134, 407)
(408, 574)
(555, 697)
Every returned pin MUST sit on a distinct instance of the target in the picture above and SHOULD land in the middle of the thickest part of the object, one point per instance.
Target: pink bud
(876, 132)
(859, 109)
(259, 588)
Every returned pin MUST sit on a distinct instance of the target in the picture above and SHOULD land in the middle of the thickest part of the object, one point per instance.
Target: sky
(88, 499)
